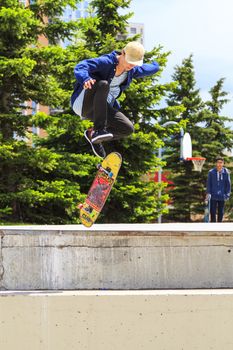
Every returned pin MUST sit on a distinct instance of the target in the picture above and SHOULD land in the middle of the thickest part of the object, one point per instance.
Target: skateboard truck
(106, 171)
(88, 209)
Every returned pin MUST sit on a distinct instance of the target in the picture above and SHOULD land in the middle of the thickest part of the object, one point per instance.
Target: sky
(201, 27)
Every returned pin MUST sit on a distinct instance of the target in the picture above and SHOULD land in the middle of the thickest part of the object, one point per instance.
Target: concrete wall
(116, 257)
(172, 320)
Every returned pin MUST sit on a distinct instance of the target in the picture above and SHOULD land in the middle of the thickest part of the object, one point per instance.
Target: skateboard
(207, 210)
(100, 189)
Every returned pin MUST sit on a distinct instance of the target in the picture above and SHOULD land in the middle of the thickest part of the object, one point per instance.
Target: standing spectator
(218, 189)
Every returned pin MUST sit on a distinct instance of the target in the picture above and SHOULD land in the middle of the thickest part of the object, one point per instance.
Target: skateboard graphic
(100, 189)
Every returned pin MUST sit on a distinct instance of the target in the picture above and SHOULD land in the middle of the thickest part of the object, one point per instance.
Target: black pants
(214, 207)
(96, 108)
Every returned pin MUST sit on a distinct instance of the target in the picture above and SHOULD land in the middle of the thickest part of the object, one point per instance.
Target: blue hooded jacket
(219, 187)
(103, 68)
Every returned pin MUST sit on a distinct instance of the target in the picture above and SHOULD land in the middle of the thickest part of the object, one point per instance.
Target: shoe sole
(93, 149)
(102, 138)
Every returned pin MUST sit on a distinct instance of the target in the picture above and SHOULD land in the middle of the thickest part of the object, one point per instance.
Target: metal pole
(159, 181)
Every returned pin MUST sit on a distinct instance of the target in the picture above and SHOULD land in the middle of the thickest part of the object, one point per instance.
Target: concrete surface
(132, 320)
(118, 256)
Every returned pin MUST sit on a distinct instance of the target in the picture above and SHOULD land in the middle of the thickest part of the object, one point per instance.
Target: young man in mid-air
(100, 81)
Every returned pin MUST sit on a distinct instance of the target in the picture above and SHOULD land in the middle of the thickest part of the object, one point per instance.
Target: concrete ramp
(118, 256)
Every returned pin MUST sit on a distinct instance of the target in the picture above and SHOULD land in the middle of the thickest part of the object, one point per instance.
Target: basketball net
(198, 162)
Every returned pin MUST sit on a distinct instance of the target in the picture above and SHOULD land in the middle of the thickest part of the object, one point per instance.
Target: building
(71, 14)
(81, 11)
(136, 28)
(132, 30)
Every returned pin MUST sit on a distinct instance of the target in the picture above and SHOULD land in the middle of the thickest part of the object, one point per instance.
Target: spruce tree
(111, 22)
(207, 129)
(219, 134)
(44, 183)
(31, 71)
(131, 200)
(215, 129)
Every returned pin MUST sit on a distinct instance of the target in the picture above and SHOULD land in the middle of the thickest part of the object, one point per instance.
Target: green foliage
(43, 179)
(30, 71)
(111, 22)
(131, 200)
(210, 137)
(18, 27)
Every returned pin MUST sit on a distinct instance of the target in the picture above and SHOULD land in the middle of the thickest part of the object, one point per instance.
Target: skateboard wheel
(80, 206)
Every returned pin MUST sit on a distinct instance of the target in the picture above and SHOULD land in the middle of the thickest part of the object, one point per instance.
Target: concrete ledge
(116, 256)
(116, 320)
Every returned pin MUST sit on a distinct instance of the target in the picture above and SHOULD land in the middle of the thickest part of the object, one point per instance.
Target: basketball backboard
(185, 147)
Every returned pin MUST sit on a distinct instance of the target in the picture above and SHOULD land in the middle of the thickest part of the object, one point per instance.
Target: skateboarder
(100, 81)
(219, 188)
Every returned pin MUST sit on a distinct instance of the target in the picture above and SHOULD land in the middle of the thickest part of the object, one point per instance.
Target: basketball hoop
(198, 162)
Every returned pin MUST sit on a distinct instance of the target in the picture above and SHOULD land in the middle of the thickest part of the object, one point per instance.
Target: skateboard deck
(100, 189)
(207, 211)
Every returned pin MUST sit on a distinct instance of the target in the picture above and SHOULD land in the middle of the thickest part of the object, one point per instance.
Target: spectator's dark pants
(216, 206)
(96, 108)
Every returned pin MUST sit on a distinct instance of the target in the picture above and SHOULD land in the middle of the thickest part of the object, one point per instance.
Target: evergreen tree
(30, 71)
(215, 128)
(131, 199)
(207, 129)
(111, 22)
(102, 28)
(44, 183)
(219, 133)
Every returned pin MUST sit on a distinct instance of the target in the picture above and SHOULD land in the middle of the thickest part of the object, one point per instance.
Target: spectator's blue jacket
(103, 68)
(219, 188)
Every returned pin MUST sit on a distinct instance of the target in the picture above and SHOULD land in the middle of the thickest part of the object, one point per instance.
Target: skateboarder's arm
(84, 69)
(146, 69)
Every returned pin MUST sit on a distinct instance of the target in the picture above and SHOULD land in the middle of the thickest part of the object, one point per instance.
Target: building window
(133, 30)
(121, 37)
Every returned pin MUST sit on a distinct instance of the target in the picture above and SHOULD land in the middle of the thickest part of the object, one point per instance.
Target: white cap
(134, 53)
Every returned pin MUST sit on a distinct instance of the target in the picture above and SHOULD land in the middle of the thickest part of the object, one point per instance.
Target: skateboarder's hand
(88, 84)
